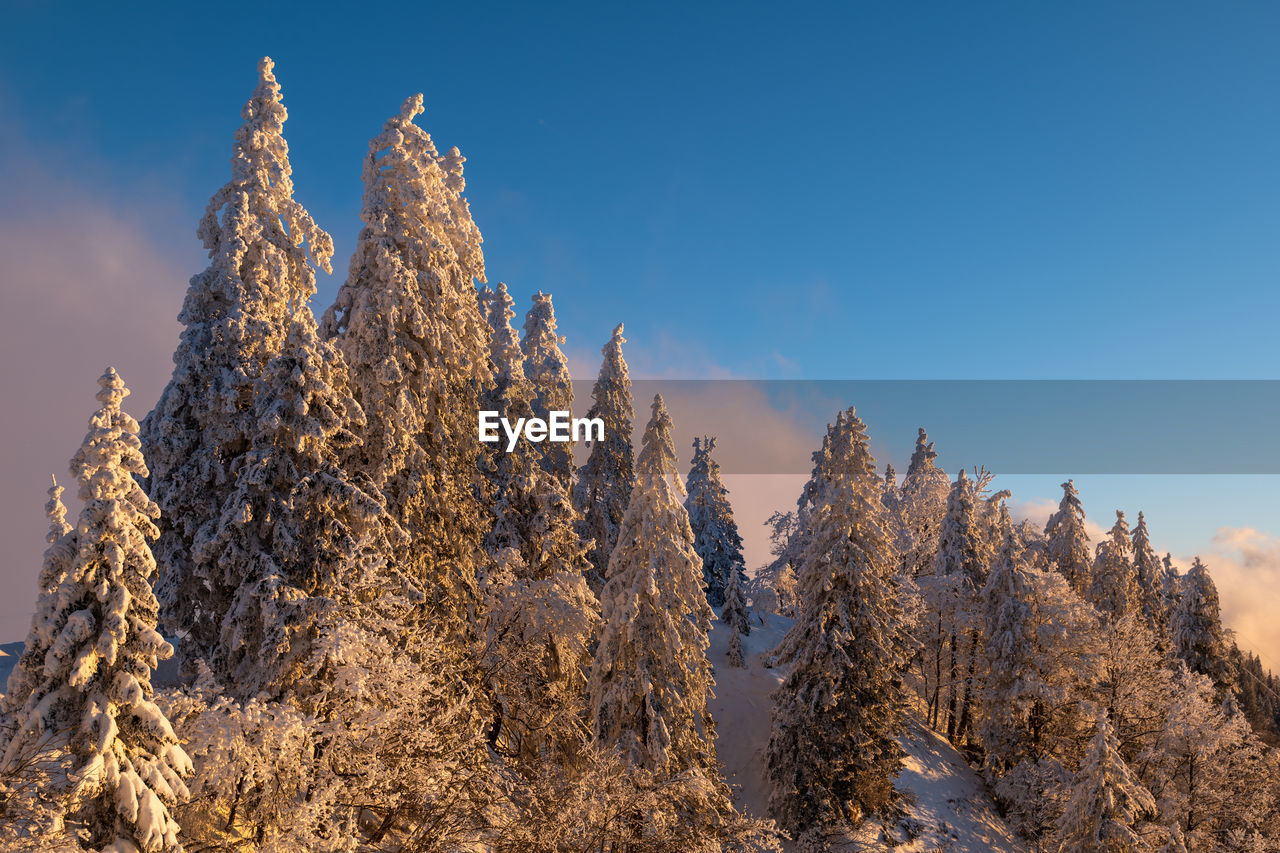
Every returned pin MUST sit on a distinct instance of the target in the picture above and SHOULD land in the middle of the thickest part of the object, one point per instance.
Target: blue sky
(860, 190)
(854, 190)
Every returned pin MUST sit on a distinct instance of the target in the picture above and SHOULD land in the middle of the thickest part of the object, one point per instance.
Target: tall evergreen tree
(651, 679)
(921, 508)
(532, 509)
(891, 499)
(80, 705)
(1010, 686)
(58, 559)
(1112, 588)
(1170, 588)
(548, 369)
(715, 533)
(540, 612)
(263, 247)
(734, 612)
(1197, 627)
(604, 483)
(1148, 582)
(960, 573)
(1107, 800)
(1067, 545)
(833, 753)
(407, 323)
(296, 522)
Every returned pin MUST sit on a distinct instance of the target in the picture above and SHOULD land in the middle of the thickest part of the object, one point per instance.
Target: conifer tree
(548, 369)
(58, 559)
(736, 655)
(960, 573)
(715, 533)
(891, 500)
(407, 322)
(833, 752)
(604, 483)
(1112, 588)
(651, 679)
(1148, 582)
(533, 511)
(1197, 627)
(296, 523)
(1170, 588)
(921, 508)
(1067, 545)
(85, 715)
(540, 613)
(1107, 800)
(734, 612)
(1043, 733)
(263, 246)
(1011, 687)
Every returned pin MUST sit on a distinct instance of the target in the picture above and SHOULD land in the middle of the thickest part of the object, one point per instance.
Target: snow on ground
(953, 811)
(949, 807)
(741, 709)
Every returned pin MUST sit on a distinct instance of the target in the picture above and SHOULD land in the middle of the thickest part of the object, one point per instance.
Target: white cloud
(87, 284)
(1245, 565)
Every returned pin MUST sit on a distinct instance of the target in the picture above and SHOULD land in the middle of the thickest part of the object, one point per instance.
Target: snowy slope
(949, 809)
(741, 709)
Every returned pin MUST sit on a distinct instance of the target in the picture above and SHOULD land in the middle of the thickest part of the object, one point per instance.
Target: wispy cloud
(89, 280)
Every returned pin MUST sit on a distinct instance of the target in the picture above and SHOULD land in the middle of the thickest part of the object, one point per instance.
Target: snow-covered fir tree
(1196, 626)
(1010, 689)
(734, 611)
(79, 712)
(960, 573)
(1107, 800)
(921, 507)
(736, 654)
(891, 501)
(715, 533)
(1045, 734)
(1148, 582)
(651, 680)
(540, 613)
(58, 559)
(833, 752)
(532, 511)
(296, 522)
(1170, 588)
(263, 248)
(417, 347)
(603, 489)
(548, 369)
(1111, 587)
(1067, 542)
